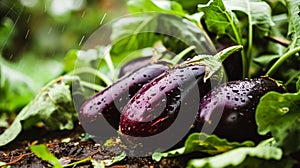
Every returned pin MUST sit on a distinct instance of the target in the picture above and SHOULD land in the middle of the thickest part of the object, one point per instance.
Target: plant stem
(281, 60)
(179, 56)
(239, 41)
(92, 86)
(292, 78)
(93, 71)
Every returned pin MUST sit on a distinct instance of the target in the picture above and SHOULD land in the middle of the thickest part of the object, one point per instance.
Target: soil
(72, 146)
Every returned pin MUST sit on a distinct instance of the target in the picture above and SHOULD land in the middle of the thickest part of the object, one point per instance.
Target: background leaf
(202, 142)
(221, 20)
(238, 156)
(166, 6)
(53, 105)
(141, 31)
(16, 88)
(293, 7)
(279, 114)
(258, 13)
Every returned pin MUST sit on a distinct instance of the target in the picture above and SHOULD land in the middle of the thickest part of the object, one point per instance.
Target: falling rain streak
(81, 40)
(28, 19)
(103, 18)
(27, 33)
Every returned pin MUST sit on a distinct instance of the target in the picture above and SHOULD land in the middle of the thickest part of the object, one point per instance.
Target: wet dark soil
(72, 146)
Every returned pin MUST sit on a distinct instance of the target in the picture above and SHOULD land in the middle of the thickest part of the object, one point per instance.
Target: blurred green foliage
(35, 36)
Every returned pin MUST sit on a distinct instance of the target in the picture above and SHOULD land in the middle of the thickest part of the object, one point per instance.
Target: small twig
(17, 160)
(282, 41)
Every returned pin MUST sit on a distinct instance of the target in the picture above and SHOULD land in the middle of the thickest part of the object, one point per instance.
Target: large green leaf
(144, 30)
(166, 6)
(43, 152)
(293, 7)
(258, 12)
(202, 142)
(279, 114)
(221, 20)
(53, 105)
(239, 156)
(16, 88)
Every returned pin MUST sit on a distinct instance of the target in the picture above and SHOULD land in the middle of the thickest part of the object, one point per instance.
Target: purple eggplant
(100, 115)
(163, 110)
(229, 110)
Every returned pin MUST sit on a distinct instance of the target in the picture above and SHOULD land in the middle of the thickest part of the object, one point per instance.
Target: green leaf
(202, 142)
(43, 152)
(166, 6)
(221, 20)
(264, 60)
(108, 162)
(238, 156)
(144, 30)
(293, 7)
(53, 105)
(6, 30)
(16, 88)
(298, 85)
(258, 12)
(279, 114)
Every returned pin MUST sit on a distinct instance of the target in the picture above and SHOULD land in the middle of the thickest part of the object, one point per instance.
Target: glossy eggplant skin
(154, 108)
(133, 65)
(229, 110)
(100, 114)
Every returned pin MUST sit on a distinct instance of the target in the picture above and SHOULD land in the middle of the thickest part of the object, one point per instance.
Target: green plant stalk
(292, 78)
(78, 162)
(111, 67)
(198, 23)
(92, 71)
(239, 41)
(92, 86)
(250, 43)
(281, 60)
(179, 56)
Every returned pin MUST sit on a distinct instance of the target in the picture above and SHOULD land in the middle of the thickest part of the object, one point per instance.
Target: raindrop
(82, 38)
(28, 19)
(161, 88)
(103, 18)
(83, 14)
(27, 33)
(235, 90)
(232, 117)
(50, 30)
(236, 98)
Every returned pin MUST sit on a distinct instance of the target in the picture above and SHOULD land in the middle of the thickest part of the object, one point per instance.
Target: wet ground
(72, 146)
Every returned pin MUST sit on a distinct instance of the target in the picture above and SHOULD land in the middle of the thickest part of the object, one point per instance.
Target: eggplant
(163, 110)
(229, 110)
(100, 114)
(133, 65)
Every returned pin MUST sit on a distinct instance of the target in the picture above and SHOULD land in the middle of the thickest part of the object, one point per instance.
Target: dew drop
(161, 88)
(235, 90)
